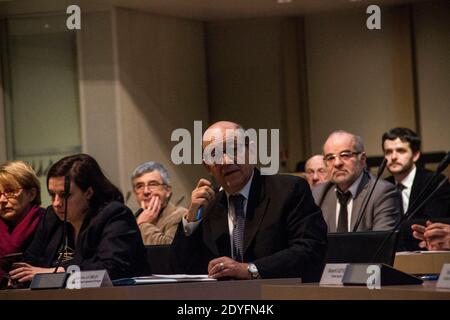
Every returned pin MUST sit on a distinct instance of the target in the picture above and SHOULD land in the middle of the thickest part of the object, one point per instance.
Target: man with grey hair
(159, 219)
(315, 170)
(341, 199)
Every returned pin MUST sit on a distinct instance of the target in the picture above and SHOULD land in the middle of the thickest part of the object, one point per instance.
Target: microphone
(362, 211)
(138, 212)
(409, 214)
(64, 236)
(444, 163)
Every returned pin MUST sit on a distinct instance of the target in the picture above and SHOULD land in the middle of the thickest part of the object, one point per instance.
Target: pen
(430, 277)
(199, 213)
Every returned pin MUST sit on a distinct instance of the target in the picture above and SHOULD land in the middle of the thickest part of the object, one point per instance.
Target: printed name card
(88, 279)
(333, 274)
(444, 277)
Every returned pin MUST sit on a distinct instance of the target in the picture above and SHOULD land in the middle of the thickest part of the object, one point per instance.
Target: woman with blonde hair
(20, 211)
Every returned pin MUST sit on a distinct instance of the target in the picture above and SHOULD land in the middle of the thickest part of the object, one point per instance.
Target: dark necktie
(343, 214)
(238, 230)
(400, 188)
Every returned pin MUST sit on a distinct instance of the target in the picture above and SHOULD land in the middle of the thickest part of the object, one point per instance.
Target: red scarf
(15, 241)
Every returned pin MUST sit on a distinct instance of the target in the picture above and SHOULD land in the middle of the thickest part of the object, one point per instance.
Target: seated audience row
(341, 188)
(255, 226)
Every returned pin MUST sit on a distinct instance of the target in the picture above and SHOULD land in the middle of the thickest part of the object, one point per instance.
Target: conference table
(273, 289)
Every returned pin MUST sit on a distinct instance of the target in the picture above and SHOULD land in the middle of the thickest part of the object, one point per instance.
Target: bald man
(257, 226)
(342, 198)
(315, 170)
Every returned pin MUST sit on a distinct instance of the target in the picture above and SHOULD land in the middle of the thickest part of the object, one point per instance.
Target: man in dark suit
(401, 147)
(342, 198)
(257, 226)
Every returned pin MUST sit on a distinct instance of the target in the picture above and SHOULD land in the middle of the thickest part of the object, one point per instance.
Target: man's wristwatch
(253, 270)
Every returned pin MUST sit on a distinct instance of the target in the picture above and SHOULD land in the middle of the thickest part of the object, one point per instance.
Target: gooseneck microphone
(413, 210)
(441, 167)
(63, 250)
(362, 212)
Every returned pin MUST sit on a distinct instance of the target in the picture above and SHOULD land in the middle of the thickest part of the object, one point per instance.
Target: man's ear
(89, 193)
(416, 156)
(363, 157)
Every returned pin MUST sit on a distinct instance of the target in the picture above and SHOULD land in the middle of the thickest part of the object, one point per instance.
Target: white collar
(409, 179)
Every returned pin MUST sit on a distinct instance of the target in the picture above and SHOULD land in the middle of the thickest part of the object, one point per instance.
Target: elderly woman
(101, 232)
(20, 210)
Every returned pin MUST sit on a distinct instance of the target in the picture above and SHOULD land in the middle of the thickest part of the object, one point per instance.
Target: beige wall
(97, 83)
(2, 114)
(354, 82)
(141, 77)
(244, 72)
(432, 25)
(255, 79)
(161, 87)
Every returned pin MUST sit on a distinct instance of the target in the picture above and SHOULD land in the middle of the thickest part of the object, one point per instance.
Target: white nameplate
(444, 277)
(333, 273)
(88, 279)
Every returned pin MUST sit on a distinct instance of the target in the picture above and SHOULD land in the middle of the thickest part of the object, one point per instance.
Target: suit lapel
(418, 183)
(328, 203)
(358, 201)
(256, 208)
(216, 235)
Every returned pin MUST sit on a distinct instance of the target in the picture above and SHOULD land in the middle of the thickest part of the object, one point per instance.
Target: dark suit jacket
(437, 209)
(285, 234)
(108, 239)
(382, 211)
(439, 204)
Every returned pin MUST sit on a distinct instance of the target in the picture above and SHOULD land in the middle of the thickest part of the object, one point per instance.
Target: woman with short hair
(20, 211)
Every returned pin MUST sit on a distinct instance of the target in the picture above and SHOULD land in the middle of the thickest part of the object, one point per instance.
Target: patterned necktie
(238, 230)
(343, 214)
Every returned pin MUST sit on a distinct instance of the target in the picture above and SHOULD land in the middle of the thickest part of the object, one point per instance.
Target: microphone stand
(412, 212)
(364, 207)
(63, 250)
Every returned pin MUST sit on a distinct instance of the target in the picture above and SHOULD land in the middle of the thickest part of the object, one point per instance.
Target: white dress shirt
(407, 187)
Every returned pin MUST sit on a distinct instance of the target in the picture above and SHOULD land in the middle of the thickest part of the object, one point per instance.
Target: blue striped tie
(238, 231)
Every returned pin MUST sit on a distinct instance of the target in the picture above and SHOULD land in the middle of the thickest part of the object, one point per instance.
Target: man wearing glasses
(343, 196)
(159, 218)
(257, 226)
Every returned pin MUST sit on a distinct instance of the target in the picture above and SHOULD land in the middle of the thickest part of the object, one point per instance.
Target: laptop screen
(361, 247)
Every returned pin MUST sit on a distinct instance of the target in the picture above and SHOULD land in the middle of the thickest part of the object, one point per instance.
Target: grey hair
(357, 140)
(149, 167)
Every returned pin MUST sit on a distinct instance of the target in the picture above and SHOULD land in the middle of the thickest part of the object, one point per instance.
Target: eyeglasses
(236, 154)
(152, 185)
(344, 156)
(11, 193)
